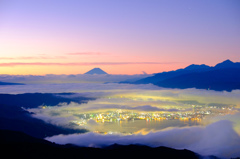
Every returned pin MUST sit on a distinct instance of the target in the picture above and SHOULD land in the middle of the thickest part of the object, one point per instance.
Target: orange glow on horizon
(128, 69)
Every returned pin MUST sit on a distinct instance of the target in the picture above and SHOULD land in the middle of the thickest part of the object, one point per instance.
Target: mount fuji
(97, 71)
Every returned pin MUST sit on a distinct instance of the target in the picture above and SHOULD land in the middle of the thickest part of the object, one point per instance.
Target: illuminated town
(197, 114)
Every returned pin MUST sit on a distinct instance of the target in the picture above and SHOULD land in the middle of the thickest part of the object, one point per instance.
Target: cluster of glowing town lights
(118, 115)
(101, 118)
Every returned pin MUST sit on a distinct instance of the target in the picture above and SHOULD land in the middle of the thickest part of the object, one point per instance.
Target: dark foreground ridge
(16, 143)
(14, 117)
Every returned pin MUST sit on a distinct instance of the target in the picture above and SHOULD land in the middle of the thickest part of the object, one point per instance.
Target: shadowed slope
(29, 147)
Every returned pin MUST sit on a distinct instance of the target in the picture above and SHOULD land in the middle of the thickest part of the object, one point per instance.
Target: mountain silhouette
(96, 71)
(197, 67)
(223, 76)
(228, 64)
(8, 83)
(14, 117)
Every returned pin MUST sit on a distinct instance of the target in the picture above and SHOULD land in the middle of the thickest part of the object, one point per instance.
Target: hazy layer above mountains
(79, 78)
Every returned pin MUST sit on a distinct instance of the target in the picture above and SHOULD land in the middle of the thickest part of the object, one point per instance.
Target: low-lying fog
(204, 121)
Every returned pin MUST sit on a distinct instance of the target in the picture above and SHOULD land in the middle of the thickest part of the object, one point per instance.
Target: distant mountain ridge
(222, 76)
(197, 67)
(96, 71)
(227, 64)
(8, 83)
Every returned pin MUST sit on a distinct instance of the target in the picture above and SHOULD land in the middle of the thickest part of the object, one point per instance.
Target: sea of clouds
(218, 135)
(219, 139)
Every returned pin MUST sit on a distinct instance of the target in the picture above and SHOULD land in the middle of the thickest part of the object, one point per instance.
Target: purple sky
(121, 37)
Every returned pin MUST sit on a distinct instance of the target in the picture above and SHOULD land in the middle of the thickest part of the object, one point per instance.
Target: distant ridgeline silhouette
(96, 71)
(7, 83)
(223, 76)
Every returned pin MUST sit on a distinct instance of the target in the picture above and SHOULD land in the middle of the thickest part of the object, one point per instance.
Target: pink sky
(121, 37)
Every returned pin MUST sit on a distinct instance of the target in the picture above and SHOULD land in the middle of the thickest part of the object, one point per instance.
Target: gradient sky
(121, 37)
